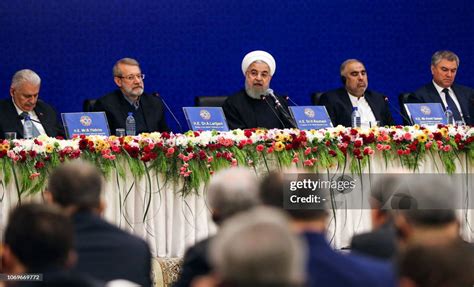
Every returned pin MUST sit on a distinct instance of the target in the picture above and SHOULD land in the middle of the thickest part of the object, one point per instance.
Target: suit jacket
(465, 96)
(195, 263)
(326, 267)
(243, 112)
(339, 107)
(117, 108)
(106, 252)
(380, 243)
(11, 122)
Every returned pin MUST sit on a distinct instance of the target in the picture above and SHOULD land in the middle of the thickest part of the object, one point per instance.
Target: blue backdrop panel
(189, 48)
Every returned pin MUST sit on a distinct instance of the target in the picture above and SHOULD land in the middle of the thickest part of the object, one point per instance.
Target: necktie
(452, 106)
(36, 133)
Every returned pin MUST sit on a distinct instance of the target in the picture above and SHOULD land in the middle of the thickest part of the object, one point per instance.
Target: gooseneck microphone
(264, 97)
(289, 99)
(269, 93)
(156, 94)
(405, 118)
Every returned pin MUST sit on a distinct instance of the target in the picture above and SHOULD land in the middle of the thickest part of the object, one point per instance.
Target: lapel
(346, 101)
(147, 111)
(433, 95)
(42, 118)
(11, 113)
(369, 97)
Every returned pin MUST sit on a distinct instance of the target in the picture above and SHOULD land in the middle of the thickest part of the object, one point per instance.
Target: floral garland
(194, 156)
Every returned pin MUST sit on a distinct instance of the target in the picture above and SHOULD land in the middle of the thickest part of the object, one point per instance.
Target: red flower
(357, 144)
(83, 144)
(32, 153)
(356, 152)
(39, 165)
(332, 153)
(248, 133)
(447, 148)
(400, 152)
(260, 148)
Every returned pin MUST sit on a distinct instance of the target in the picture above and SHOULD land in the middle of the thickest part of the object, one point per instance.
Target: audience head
(231, 191)
(444, 66)
(38, 237)
(257, 248)
(129, 78)
(354, 77)
(24, 89)
(258, 68)
(272, 193)
(76, 186)
(380, 194)
(449, 265)
(425, 211)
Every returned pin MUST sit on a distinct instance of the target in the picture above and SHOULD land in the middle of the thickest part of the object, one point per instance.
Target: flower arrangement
(193, 157)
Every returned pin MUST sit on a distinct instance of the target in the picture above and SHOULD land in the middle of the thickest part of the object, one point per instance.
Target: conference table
(155, 183)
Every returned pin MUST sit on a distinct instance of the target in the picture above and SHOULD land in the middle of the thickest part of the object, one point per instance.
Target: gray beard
(254, 93)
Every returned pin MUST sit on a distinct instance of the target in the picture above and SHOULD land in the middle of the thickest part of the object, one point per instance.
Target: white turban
(258, 55)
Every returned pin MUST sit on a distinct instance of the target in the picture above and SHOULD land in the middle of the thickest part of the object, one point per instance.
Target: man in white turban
(247, 108)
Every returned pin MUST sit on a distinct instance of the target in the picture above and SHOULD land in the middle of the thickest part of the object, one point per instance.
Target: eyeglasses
(132, 77)
(255, 73)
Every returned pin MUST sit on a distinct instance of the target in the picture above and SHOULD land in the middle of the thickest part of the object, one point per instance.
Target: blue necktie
(36, 132)
(452, 105)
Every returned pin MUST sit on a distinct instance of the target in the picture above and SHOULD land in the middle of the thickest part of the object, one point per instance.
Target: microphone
(264, 97)
(289, 99)
(405, 118)
(33, 120)
(278, 106)
(156, 94)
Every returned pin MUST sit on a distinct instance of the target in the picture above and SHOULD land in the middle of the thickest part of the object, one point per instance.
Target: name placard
(206, 118)
(311, 117)
(429, 114)
(94, 123)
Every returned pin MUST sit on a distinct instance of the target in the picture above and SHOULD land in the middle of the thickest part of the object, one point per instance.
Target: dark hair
(447, 265)
(76, 184)
(40, 236)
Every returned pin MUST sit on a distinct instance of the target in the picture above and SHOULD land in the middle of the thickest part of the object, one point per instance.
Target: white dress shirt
(443, 97)
(34, 117)
(366, 114)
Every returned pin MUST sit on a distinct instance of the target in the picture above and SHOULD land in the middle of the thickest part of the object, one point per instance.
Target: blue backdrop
(188, 48)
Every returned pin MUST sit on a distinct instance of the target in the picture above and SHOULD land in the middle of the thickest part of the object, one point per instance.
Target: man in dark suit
(443, 90)
(247, 108)
(130, 98)
(104, 251)
(339, 103)
(24, 91)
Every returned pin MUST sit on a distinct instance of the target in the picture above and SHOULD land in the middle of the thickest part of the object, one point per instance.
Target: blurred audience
(229, 192)
(104, 251)
(257, 248)
(381, 242)
(39, 240)
(446, 265)
(325, 266)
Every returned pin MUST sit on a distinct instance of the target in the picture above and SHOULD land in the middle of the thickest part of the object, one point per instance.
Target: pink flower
(34, 175)
(295, 160)
(308, 163)
(307, 151)
(447, 148)
(407, 136)
(380, 146)
(387, 147)
(428, 145)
